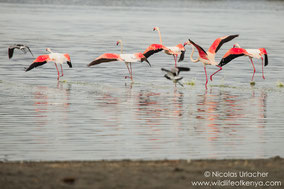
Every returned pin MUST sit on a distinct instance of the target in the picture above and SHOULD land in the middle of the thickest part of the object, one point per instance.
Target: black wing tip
(29, 68)
(35, 64)
(222, 63)
(190, 40)
(151, 52)
(93, 63)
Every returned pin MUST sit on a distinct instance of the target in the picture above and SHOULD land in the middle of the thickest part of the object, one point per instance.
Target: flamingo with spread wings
(57, 58)
(128, 59)
(208, 58)
(175, 50)
(236, 51)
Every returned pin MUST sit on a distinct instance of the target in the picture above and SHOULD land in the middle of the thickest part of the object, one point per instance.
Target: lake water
(94, 113)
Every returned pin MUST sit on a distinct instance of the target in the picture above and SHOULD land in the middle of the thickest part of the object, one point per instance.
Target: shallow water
(94, 113)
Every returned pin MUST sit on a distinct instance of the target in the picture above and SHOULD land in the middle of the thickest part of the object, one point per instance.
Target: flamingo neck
(121, 47)
(49, 50)
(160, 36)
(191, 56)
(237, 45)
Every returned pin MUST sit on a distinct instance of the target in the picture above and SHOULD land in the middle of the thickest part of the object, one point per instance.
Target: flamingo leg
(220, 68)
(175, 58)
(130, 73)
(253, 69)
(61, 70)
(57, 71)
(206, 77)
(262, 69)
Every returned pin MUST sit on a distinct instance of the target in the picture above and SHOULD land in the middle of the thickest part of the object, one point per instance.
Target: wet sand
(166, 174)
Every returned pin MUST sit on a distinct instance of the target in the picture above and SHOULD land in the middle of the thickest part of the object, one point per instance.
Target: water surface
(94, 113)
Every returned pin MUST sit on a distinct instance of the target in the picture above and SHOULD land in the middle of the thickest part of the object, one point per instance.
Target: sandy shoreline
(142, 174)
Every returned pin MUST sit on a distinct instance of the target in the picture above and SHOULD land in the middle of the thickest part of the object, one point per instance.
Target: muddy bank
(144, 174)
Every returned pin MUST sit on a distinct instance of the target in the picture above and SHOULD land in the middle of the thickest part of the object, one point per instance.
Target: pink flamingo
(208, 58)
(175, 51)
(57, 58)
(128, 59)
(236, 51)
(256, 53)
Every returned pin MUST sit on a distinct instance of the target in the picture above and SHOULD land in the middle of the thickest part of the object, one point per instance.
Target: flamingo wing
(154, 48)
(40, 60)
(232, 54)
(216, 45)
(201, 51)
(106, 57)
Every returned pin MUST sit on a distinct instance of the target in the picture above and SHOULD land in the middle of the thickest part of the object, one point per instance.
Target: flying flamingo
(208, 58)
(21, 47)
(175, 51)
(57, 58)
(236, 51)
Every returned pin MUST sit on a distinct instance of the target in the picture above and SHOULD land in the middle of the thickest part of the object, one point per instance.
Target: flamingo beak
(69, 64)
(154, 29)
(117, 42)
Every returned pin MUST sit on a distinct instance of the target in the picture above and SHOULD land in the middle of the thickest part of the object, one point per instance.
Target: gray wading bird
(173, 74)
(21, 47)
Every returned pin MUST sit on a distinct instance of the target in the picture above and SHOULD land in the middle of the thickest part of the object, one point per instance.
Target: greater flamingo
(21, 47)
(208, 58)
(154, 48)
(236, 51)
(173, 74)
(175, 51)
(57, 58)
(128, 59)
(256, 53)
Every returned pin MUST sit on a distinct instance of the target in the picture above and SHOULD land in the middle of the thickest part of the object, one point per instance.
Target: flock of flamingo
(206, 58)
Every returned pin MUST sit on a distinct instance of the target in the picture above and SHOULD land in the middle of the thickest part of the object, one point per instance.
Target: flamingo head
(156, 28)
(263, 52)
(68, 60)
(142, 58)
(236, 45)
(118, 42)
(186, 43)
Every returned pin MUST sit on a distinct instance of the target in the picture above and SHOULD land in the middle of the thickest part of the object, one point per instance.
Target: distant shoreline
(142, 174)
